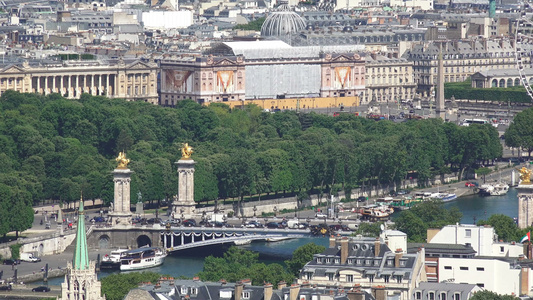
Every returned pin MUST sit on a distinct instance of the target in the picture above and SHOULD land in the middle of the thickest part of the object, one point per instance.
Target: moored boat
(486, 189)
(112, 260)
(499, 189)
(142, 258)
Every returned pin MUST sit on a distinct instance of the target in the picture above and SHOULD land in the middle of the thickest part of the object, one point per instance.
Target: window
(442, 296)
(359, 261)
(502, 249)
(386, 278)
(463, 268)
(418, 295)
(431, 296)
(457, 296)
(480, 269)
(328, 260)
(447, 267)
(371, 278)
(468, 233)
(330, 276)
(183, 290)
(246, 295)
(480, 284)
(349, 278)
(337, 260)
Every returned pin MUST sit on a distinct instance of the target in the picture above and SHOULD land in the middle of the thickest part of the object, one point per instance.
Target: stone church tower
(81, 282)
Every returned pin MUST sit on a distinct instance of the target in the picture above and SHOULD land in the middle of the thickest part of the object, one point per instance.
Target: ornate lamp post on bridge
(275, 212)
(255, 209)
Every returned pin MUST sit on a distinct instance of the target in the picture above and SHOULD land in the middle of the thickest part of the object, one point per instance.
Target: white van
(29, 257)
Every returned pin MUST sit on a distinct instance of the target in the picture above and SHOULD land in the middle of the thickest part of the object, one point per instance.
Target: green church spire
(81, 255)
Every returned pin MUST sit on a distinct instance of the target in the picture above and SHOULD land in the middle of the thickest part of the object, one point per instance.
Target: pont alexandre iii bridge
(181, 238)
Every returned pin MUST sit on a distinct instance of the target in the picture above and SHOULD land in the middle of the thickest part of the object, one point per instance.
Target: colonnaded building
(134, 80)
(239, 71)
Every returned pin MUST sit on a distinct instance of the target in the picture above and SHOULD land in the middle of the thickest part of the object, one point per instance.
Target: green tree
(520, 131)
(369, 229)
(117, 286)
(504, 226)
(252, 25)
(428, 214)
(301, 256)
(488, 295)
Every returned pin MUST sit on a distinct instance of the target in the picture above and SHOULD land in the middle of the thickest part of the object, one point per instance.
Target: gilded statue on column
(525, 175)
(186, 151)
(122, 160)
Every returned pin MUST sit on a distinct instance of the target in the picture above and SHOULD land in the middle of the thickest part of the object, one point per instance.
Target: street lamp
(182, 211)
(255, 209)
(275, 212)
(296, 212)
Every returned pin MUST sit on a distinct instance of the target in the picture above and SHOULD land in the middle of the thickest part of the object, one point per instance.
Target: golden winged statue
(122, 160)
(186, 151)
(525, 175)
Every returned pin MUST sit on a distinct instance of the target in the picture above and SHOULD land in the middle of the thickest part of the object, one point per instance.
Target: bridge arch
(143, 240)
(103, 241)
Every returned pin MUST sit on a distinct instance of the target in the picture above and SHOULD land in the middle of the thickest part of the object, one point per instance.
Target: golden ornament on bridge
(525, 175)
(122, 160)
(186, 151)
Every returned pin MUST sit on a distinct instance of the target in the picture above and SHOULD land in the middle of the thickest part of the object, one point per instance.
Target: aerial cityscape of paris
(266, 150)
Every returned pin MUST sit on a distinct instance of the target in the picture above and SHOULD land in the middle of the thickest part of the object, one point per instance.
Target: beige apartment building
(134, 81)
(388, 78)
(461, 60)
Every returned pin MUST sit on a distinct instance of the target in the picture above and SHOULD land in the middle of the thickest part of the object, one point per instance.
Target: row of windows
(360, 261)
(481, 269)
(432, 296)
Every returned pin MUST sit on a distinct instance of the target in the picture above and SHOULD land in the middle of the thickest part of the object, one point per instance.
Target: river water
(191, 262)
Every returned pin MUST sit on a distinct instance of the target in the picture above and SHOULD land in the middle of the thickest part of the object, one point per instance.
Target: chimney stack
(344, 250)
(377, 247)
(295, 290)
(379, 292)
(397, 257)
(238, 290)
(356, 295)
(281, 285)
(267, 290)
(332, 242)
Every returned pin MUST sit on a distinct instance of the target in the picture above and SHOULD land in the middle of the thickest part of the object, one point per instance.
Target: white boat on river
(142, 258)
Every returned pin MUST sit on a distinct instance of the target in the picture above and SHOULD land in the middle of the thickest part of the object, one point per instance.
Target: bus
(467, 122)
(338, 113)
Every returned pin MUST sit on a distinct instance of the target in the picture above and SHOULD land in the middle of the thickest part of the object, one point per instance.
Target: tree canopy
(429, 214)
(488, 295)
(54, 148)
(117, 286)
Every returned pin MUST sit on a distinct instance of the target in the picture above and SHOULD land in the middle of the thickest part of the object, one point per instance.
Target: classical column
(54, 84)
(77, 86)
(107, 85)
(184, 203)
(69, 86)
(38, 85)
(61, 86)
(15, 83)
(121, 214)
(99, 89)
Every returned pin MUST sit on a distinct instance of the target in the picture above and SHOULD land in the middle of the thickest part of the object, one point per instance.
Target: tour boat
(142, 258)
(445, 197)
(112, 260)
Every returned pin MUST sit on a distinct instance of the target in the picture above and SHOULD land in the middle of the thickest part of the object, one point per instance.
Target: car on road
(11, 262)
(320, 215)
(189, 223)
(253, 224)
(361, 199)
(274, 225)
(403, 192)
(6, 287)
(98, 219)
(41, 288)
(471, 184)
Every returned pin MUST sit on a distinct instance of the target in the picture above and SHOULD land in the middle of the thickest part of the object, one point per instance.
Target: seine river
(190, 263)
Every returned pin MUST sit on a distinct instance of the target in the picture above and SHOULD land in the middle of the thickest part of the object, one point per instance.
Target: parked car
(339, 228)
(403, 192)
(361, 199)
(471, 184)
(152, 221)
(274, 225)
(253, 224)
(11, 261)
(189, 223)
(6, 287)
(41, 288)
(98, 219)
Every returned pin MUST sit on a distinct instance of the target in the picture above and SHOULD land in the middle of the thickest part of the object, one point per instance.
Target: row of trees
(54, 148)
